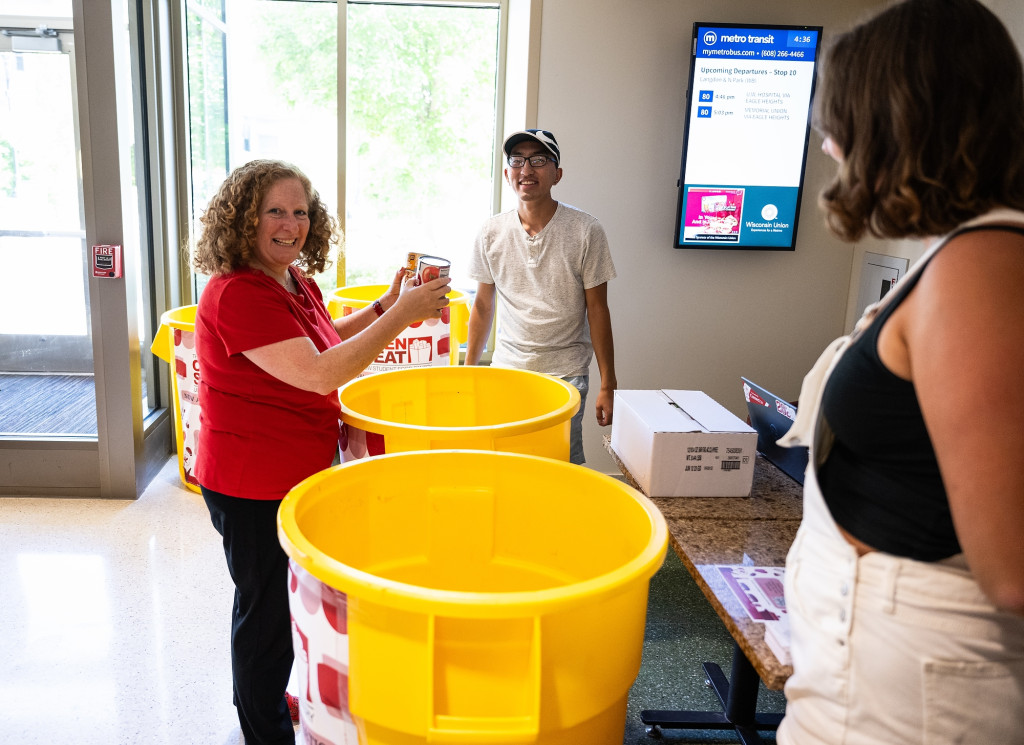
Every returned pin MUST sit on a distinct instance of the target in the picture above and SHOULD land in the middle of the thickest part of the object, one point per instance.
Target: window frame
(500, 97)
(515, 108)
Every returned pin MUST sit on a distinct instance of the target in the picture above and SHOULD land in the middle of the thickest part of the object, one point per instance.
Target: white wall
(613, 79)
(1011, 13)
(612, 87)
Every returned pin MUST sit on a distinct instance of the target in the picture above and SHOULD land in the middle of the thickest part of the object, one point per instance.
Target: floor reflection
(114, 621)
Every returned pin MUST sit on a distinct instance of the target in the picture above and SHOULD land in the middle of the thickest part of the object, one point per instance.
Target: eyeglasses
(537, 161)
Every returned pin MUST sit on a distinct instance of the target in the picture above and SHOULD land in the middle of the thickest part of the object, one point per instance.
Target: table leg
(738, 696)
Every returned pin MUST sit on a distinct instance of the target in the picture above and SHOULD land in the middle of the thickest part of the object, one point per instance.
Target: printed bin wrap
(175, 343)
(357, 443)
(186, 379)
(320, 637)
(423, 344)
(433, 342)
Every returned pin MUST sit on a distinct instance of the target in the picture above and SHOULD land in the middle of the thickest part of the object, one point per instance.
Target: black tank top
(881, 480)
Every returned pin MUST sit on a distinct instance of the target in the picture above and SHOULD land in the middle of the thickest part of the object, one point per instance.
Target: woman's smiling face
(283, 225)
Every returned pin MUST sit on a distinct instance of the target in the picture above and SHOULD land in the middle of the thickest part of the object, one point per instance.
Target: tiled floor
(114, 623)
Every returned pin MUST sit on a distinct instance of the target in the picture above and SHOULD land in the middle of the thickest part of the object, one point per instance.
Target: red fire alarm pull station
(106, 261)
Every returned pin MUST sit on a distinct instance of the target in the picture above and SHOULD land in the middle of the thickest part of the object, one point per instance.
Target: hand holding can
(433, 267)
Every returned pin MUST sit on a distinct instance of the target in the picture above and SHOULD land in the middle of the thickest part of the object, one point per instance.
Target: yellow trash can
(469, 597)
(174, 342)
(434, 342)
(475, 408)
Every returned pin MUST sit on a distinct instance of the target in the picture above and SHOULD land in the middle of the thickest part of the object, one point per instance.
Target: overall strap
(805, 430)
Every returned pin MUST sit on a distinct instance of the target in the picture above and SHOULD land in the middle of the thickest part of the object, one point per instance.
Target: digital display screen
(745, 145)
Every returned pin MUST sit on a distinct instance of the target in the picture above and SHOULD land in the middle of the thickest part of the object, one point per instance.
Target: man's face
(531, 183)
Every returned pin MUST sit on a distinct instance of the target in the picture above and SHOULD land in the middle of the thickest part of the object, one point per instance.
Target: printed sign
(747, 128)
(423, 344)
(106, 261)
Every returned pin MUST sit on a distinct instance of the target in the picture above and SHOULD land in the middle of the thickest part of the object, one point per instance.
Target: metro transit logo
(710, 38)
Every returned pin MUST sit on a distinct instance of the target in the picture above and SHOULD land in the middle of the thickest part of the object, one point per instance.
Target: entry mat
(47, 404)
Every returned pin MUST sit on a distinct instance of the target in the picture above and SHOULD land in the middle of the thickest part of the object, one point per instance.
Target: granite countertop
(758, 530)
(704, 545)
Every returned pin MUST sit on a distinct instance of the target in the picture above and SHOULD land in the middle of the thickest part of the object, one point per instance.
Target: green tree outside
(421, 83)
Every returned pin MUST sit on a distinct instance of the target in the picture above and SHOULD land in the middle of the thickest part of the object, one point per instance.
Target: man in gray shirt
(548, 264)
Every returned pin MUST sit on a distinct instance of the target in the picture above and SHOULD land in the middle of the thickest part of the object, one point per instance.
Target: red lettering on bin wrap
(314, 739)
(375, 443)
(407, 350)
(358, 443)
(335, 604)
(332, 681)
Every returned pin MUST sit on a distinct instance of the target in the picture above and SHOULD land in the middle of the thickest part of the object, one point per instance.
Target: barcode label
(730, 465)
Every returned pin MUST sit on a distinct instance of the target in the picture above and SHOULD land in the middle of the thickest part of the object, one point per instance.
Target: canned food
(412, 263)
(433, 267)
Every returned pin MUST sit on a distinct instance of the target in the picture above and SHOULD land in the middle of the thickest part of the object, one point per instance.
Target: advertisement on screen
(746, 134)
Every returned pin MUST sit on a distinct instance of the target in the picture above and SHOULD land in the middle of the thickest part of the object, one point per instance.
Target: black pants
(261, 637)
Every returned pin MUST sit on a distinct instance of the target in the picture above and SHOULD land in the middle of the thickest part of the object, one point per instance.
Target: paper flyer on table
(759, 589)
(776, 636)
(760, 592)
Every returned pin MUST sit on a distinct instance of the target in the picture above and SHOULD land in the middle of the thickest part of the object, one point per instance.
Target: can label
(412, 263)
(434, 267)
(431, 267)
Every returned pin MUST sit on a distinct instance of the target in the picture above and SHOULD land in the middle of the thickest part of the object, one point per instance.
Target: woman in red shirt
(271, 361)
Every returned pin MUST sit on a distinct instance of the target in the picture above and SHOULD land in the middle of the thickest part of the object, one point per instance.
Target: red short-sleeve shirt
(259, 436)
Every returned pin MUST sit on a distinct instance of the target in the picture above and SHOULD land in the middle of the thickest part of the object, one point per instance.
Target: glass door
(80, 403)
(46, 354)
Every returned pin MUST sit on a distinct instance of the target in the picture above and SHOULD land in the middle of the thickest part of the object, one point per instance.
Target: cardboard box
(683, 444)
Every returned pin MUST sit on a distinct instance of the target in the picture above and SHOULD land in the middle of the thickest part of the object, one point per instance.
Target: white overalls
(888, 649)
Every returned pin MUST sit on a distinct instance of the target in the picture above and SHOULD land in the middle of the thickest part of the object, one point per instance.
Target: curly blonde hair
(230, 220)
(926, 103)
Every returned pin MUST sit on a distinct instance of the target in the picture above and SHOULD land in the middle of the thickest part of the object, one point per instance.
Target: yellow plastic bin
(475, 408)
(434, 342)
(467, 597)
(174, 342)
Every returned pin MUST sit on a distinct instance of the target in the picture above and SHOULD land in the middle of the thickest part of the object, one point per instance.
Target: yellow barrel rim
(183, 318)
(507, 429)
(461, 604)
(359, 296)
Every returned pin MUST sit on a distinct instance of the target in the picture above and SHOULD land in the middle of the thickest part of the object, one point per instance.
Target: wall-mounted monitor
(748, 120)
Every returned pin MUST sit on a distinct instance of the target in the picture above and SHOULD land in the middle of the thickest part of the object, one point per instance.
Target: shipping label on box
(683, 444)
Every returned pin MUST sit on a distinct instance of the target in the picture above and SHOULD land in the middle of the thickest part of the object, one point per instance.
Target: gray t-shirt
(539, 284)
